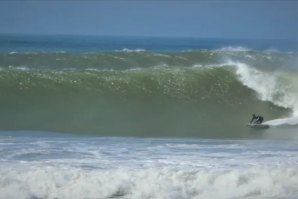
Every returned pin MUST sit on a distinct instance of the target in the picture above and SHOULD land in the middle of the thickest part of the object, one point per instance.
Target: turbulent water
(132, 115)
(79, 167)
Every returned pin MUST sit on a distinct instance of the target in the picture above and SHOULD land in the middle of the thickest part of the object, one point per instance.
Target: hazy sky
(182, 18)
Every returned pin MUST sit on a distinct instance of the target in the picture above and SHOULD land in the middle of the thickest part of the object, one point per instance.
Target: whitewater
(131, 118)
(74, 167)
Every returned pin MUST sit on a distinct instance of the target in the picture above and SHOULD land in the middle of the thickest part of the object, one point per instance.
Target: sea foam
(164, 183)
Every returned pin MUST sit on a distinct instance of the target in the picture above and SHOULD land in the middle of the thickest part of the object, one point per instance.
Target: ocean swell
(207, 93)
(130, 59)
(208, 101)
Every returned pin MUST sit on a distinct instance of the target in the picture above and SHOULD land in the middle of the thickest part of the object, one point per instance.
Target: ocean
(134, 117)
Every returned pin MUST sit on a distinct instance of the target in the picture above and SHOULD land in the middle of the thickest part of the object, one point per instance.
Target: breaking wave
(196, 93)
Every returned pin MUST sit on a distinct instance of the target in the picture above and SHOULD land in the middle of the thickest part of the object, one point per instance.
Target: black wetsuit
(257, 119)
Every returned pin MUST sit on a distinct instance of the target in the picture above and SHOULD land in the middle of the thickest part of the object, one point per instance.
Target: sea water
(105, 117)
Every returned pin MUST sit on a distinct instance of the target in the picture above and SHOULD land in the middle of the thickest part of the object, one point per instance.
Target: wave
(197, 93)
(213, 101)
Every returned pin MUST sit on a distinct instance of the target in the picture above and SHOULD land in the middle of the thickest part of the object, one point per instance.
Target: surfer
(256, 119)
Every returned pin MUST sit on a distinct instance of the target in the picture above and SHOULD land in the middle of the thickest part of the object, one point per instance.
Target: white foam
(197, 66)
(159, 183)
(180, 57)
(21, 68)
(138, 50)
(161, 55)
(208, 65)
(233, 49)
(283, 121)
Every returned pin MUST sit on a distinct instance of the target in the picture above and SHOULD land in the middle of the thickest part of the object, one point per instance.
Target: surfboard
(258, 126)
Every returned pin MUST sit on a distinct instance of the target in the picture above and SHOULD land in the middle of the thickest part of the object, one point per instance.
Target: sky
(258, 19)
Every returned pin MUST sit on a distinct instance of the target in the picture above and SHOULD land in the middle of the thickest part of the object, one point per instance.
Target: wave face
(207, 93)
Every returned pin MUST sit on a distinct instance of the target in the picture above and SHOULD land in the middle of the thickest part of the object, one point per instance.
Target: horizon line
(145, 36)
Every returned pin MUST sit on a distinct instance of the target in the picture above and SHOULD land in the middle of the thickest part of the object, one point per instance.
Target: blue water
(38, 43)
